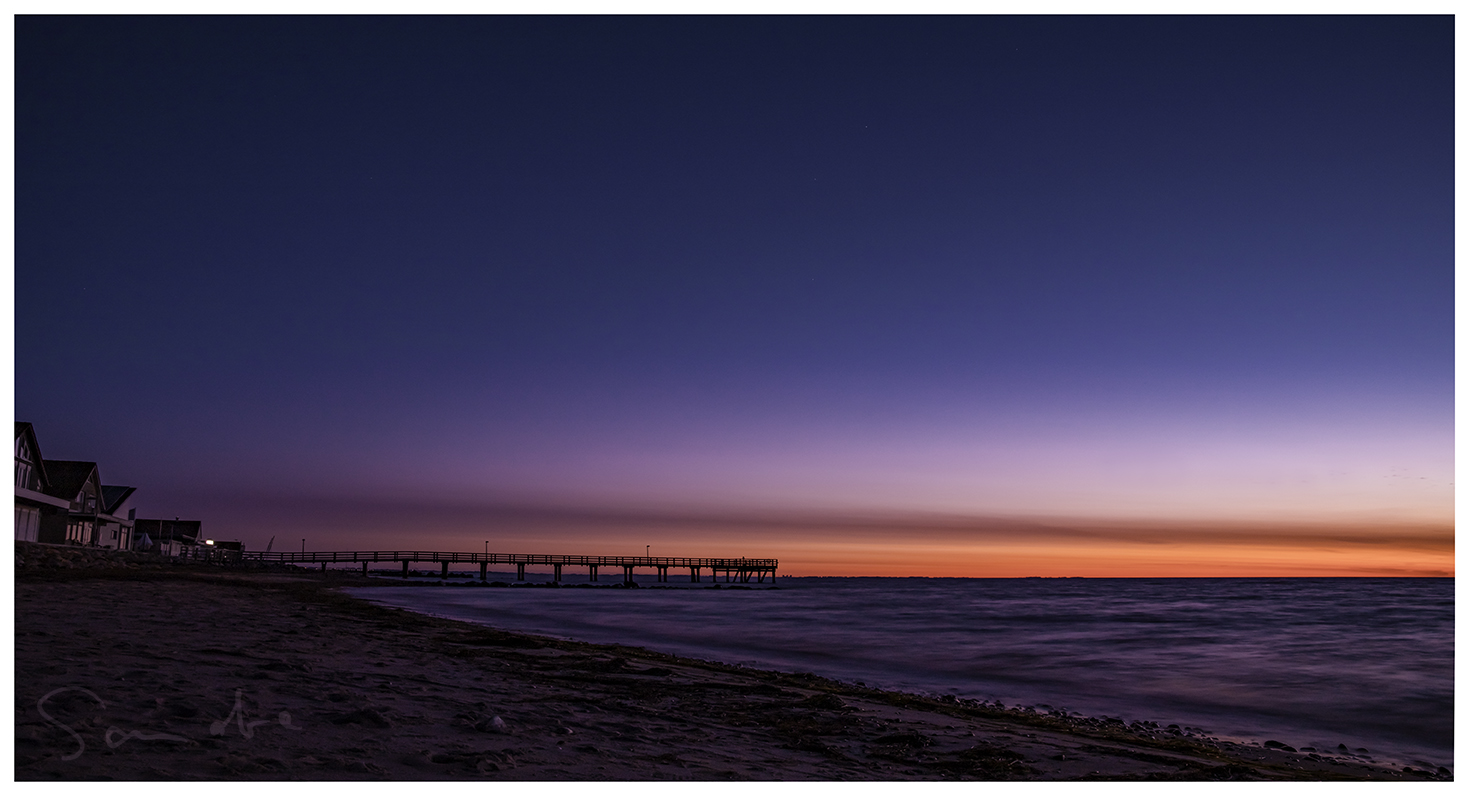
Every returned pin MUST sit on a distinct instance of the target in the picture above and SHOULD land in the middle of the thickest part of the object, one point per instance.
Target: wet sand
(191, 673)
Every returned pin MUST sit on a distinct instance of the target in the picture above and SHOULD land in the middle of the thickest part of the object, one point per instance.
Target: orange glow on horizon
(1095, 552)
(1191, 560)
(872, 544)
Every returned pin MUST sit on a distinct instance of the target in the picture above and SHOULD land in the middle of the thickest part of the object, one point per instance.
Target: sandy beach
(138, 671)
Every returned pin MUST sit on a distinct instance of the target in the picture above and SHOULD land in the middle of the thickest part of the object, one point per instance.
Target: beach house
(65, 502)
(80, 485)
(115, 524)
(32, 497)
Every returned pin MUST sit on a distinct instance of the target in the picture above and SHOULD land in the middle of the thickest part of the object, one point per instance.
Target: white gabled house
(33, 500)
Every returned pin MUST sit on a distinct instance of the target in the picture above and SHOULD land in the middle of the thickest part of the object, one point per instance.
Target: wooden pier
(735, 570)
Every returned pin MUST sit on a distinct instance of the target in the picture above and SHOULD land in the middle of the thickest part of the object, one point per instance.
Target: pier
(734, 570)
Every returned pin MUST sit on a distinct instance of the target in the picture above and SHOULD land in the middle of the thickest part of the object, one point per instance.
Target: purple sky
(1150, 268)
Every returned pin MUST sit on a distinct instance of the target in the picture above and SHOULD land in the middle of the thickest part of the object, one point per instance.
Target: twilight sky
(979, 296)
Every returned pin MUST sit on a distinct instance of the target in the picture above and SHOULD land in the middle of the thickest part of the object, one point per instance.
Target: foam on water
(1364, 662)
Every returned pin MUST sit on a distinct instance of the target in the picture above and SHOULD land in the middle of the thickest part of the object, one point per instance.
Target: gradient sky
(984, 295)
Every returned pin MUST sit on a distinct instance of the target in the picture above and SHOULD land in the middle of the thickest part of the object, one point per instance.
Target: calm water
(1366, 662)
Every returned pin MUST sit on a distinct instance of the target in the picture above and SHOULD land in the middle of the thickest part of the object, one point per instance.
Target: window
(24, 473)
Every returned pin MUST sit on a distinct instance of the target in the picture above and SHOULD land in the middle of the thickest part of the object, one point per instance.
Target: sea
(1365, 663)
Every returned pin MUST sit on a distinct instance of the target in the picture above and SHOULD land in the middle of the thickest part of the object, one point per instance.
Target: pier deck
(740, 570)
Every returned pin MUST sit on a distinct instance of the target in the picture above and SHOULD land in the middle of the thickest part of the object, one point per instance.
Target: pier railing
(354, 556)
(207, 554)
(737, 569)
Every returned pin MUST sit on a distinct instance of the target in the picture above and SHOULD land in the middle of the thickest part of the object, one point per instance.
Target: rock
(495, 724)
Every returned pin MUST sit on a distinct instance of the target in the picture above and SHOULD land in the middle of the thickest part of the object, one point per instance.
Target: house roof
(113, 496)
(67, 478)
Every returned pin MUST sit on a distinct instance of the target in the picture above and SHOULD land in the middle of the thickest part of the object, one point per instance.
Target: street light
(646, 548)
